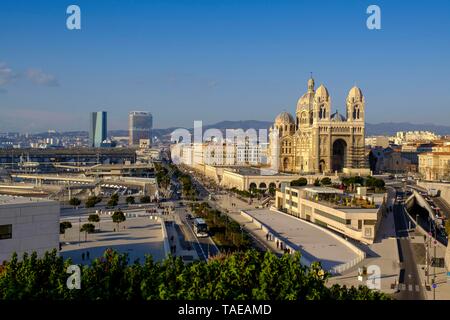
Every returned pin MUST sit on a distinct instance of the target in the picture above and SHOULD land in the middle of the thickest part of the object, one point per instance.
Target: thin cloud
(7, 75)
(41, 78)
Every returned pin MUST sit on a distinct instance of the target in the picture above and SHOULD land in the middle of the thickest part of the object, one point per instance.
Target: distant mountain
(385, 128)
(390, 128)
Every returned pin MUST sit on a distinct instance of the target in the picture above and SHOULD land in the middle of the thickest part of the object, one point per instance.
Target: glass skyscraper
(140, 125)
(98, 129)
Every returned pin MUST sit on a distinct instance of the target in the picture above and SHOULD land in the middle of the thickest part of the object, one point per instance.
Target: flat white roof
(313, 242)
(8, 200)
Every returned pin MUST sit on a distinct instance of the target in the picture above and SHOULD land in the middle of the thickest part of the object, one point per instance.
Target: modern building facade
(327, 207)
(98, 129)
(140, 125)
(28, 225)
(317, 140)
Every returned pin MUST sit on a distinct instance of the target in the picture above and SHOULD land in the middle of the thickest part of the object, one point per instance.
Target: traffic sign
(434, 285)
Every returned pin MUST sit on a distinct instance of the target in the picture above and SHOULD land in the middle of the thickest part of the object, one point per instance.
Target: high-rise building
(140, 126)
(98, 129)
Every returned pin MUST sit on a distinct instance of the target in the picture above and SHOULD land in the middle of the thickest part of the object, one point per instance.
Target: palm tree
(118, 217)
(94, 218)
(87, 228)
(63, 226)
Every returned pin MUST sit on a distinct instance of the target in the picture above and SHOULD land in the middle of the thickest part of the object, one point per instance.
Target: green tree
(92, 201)
(325, 181)
(300, 182)
(272, 190)
(145, 199)
(118, 217)
(447, 226)
(63, 226)
(317, 182)
(75, 202)
(95, 218)
(248, 275)
(112, 202)
(87, 228)
(130, 200)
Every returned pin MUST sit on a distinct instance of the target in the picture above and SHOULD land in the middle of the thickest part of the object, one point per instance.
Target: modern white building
(27, 225)
(221, 154)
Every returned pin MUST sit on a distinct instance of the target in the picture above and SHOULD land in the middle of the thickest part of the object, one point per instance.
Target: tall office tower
(140, 126)
(98, 129)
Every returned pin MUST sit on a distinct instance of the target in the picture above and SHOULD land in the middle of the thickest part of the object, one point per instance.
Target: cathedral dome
(305, 101)
(355, 94)
(337, 117)
(284, 118)
(322, 92)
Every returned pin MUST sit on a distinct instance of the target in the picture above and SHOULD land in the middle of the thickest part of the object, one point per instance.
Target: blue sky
(218, 60)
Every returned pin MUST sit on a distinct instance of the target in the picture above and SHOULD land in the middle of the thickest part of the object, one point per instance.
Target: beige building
(317, 140)
(377, 141)
(435, 165)
(316, 204)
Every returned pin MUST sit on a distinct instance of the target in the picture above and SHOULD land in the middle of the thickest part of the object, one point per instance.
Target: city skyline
(208, 61)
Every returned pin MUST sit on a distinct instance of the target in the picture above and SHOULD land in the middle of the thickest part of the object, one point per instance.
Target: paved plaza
(315, 244)
(138, 236)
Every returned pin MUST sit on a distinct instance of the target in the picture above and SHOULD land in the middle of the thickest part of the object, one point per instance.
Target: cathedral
(317, 140)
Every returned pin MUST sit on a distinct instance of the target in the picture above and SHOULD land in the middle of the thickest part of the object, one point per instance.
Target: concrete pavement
(137, 237)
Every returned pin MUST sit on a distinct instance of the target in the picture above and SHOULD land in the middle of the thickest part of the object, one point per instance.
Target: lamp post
(79, 229)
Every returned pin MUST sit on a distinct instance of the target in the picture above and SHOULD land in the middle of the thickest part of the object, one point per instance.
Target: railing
(343, 267)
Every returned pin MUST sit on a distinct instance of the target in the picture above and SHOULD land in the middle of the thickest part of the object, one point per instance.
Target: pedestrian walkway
(136, 236)
(256, 231)
(314, 242)
(179, 245)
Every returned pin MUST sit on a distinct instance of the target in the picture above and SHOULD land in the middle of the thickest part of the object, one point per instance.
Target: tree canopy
(241, 275)
(300, 182)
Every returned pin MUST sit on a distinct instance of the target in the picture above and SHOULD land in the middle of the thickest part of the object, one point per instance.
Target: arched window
(304, 119)
(356, 112)
(322, 112)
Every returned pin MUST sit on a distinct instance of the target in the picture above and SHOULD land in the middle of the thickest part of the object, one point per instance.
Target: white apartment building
(220, 154)
(27, 225)
(410, 136)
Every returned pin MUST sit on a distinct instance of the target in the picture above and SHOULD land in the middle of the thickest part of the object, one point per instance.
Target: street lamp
(79, 230)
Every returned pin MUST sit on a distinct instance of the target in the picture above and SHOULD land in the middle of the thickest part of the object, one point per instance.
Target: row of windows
(330, 216)
(292, 203)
